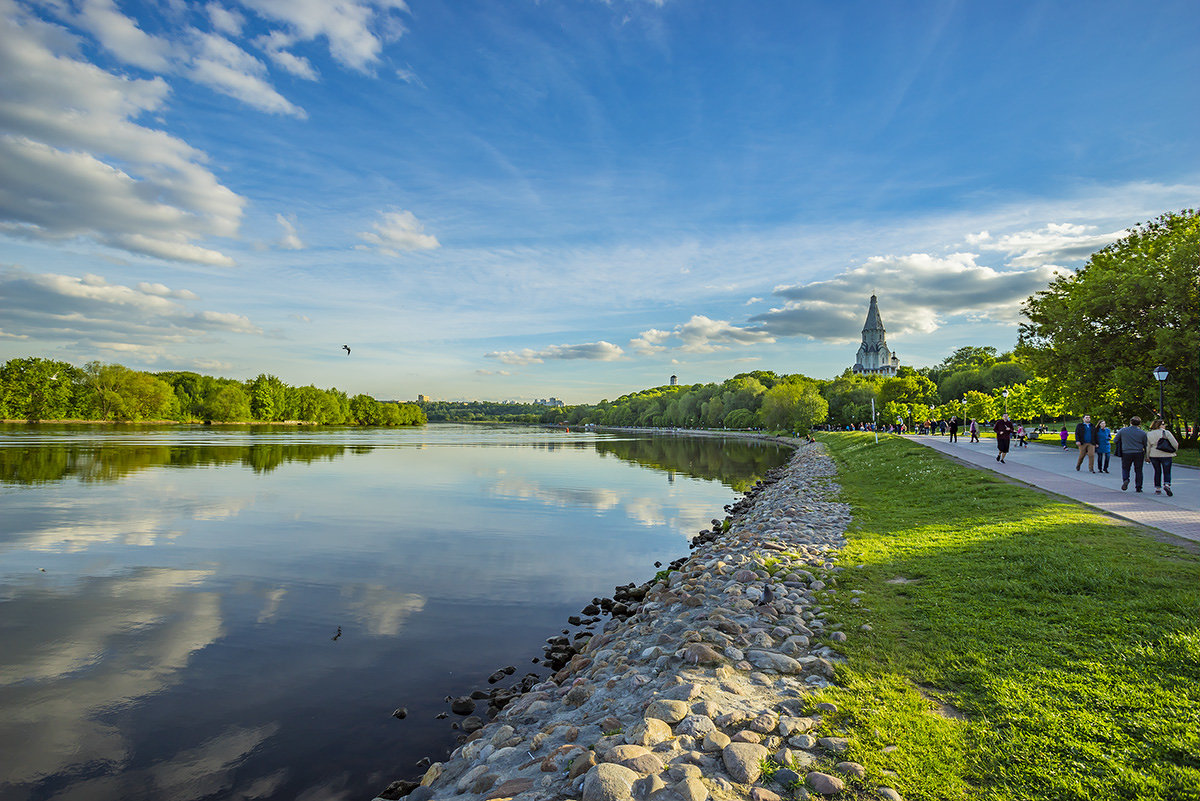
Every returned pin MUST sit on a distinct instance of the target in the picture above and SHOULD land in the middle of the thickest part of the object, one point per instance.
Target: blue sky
(567, 198)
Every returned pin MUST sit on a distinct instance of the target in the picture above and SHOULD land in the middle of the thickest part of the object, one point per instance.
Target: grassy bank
(1020, 647)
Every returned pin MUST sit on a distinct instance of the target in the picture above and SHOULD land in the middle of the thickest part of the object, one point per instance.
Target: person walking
(1085, 438)
(1130, 444)
(1063, 436)
(1161, 447)
(1103, 446)
(1004, 430)
(1021, 436)
(954, 429)
(974, 431)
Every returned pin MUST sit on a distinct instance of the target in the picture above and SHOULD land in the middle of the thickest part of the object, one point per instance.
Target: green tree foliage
(850, 397)
(910, 387)
(1098, 333)
(795, 406)
(40, 389)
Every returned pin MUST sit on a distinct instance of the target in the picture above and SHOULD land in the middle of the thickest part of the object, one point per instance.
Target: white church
(874, 358)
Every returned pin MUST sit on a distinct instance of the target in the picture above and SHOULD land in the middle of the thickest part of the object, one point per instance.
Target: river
(235, 612)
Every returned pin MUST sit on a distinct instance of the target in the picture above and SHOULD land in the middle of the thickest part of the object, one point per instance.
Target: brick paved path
(1051, 468)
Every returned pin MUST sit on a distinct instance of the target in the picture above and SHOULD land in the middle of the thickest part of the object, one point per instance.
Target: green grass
(1063, 648)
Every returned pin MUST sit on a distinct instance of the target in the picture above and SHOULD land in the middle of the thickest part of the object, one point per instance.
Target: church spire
(873, 354)
(873, 322)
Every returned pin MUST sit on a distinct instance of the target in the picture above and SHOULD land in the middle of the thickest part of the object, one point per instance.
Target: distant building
(874, 358)
(422, 399)
(555, 402)
(674, 380)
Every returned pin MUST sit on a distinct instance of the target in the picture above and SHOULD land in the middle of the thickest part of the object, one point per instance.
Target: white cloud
(398, 231)
(356, 30)
(754, 300)
(73, 163)
(650, 342)
(408, 75)
(290, 240)
(224, 20)
(700, 334)
(704, 335)
(121, 36)
(88, 313)
(1056, 242)
(593, 351)
(221, 65)
(916, 292)
(275, 45)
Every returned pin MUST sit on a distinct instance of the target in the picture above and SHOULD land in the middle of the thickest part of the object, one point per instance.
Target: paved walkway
(1051, 468)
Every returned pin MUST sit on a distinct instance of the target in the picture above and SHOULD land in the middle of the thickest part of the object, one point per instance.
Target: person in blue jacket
(1103, 446)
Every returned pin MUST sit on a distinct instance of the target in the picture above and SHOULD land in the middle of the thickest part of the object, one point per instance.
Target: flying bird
(347, 349)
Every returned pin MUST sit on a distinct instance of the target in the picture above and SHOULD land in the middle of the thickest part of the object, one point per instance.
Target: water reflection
(182, 641)
(91, 462)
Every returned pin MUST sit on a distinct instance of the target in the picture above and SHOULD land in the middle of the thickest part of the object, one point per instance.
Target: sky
(567, 198)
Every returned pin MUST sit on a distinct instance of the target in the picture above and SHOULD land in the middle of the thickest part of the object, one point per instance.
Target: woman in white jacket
(1159, 457)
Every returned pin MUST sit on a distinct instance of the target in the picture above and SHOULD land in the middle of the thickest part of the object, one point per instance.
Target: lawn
(1020, 647)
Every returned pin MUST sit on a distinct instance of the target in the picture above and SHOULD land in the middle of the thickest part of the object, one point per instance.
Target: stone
(691, 789)
(785, 777)
(889, 794)
(763, 724)
(747, 736)
(851, 769)
(668, 709)
(647, 786)
(838, 636)
(578, 695)
(483, 783)
(581, 765)
(791, 725)
(763, 794)
(715, 741)
(609, 782)
(742, 761)
(432, 774)
(769, 660)
(643, 764)
(834, 745)
(463, 705)
(648, 732)
(696, 726)
(700, 654)
(824, 783)
(509, 788)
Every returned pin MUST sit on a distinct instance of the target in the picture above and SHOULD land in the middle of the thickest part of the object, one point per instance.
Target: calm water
(170, 598)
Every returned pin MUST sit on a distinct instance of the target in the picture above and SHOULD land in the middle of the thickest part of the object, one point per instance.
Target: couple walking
(1093, 442)
(1136, 447)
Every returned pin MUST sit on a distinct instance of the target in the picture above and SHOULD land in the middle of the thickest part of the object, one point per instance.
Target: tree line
(1090, 345)
(36, 389)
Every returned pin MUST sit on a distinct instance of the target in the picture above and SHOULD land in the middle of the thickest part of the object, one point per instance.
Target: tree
(980, 406)
(39, 389)
(909, 387)
(1099, 332)
(794, 405)
(228, 404)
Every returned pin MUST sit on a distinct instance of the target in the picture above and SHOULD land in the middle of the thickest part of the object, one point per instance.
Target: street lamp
(1160, 373)
(1005, 394)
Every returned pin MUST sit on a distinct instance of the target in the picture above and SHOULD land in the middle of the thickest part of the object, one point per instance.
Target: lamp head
(1160, 373)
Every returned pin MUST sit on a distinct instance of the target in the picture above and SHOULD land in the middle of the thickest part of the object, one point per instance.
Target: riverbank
(700, 688)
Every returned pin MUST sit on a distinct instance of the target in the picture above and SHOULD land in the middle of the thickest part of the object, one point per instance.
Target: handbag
(1116, 446)
(1164, 444)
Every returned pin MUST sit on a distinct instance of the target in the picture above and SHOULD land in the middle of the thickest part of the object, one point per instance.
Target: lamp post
(1005, 394)
(1160, 373)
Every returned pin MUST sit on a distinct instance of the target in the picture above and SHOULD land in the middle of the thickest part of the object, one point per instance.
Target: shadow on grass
(1068, 643)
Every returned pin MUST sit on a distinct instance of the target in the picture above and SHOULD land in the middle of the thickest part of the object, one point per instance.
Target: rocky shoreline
(699, 687)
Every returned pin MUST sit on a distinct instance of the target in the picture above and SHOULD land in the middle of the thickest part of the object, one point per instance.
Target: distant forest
(482, 411)
(35, 389)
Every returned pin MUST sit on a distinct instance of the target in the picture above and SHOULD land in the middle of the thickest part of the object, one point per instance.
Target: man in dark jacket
(1087, 437)
(1131, 442)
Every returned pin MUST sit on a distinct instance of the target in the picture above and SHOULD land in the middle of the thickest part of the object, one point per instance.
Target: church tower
(873, 354)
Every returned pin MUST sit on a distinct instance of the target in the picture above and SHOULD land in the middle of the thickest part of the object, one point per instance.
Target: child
(1063, 436)
(1021, 436)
